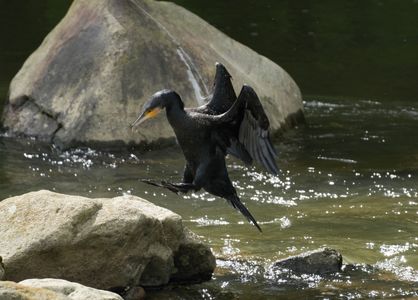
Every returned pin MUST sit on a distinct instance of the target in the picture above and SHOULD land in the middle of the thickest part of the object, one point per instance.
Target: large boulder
(72, 290)
(101, 243)
(92, 73)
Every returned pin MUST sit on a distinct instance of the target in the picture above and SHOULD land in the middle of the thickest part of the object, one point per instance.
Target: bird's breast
(193, 137)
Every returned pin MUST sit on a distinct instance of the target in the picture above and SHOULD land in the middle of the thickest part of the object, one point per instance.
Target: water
(345, 189)
(348, 178)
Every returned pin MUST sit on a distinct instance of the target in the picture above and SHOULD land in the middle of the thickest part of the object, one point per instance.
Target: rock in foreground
(72, 290)
(92, 73)
(102, 243)
(12, 291)
(319, 262)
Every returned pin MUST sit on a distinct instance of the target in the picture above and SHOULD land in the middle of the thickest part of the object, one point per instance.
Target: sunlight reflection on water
(333, 190)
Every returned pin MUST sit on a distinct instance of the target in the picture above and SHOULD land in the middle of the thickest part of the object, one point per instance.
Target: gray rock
(72, 290)
(187, 260)
(319, 262)
(92, 73)
(101, 243)
(2, 272)
(12, 291)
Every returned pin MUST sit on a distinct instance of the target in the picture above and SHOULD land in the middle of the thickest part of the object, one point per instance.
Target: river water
(349, 177)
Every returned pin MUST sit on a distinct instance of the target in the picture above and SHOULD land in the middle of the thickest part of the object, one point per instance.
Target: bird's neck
(174, 107)
(173, 103)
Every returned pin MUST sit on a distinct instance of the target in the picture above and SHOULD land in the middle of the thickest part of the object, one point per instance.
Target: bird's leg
(162, 184)
(183, 187)
(180, 187)
(174, 187)
(186, 185)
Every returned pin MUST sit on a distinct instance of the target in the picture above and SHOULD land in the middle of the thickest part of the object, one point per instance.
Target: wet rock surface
(188, 262)
(92, 73)
(102, 243)
(319, 262)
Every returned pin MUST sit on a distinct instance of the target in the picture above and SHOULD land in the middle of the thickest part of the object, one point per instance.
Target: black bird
(225, 124)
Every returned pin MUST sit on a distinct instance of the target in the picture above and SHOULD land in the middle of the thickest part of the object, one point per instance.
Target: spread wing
(254, 131)
(251, 140)
(223, 94)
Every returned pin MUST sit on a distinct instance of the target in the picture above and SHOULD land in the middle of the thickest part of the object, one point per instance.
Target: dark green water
(349, 177)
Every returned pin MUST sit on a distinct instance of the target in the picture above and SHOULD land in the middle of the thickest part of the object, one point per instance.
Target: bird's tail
(237, 204)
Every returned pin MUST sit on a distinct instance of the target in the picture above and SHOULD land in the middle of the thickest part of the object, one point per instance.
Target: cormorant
(225, 124)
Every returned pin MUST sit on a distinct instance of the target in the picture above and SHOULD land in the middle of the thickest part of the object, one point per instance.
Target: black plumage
(225, 124)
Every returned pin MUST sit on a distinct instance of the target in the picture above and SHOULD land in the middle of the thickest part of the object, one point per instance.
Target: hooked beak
(145, 116)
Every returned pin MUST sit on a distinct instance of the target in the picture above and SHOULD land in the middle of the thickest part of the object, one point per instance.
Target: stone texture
(87, 81)
(72, 290)
(13, 291)
(188, 260)
(319, 262)
(101, 243)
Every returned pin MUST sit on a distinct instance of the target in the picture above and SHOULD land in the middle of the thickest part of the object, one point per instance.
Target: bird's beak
(145, 116)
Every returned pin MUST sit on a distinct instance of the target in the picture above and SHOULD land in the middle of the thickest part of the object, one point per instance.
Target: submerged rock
(13, 291)
(72, 290)
(92, 73)
(102, 243)
(318, 262)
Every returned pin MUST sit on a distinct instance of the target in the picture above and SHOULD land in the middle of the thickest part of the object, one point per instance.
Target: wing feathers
(257, 142)
(253, 140)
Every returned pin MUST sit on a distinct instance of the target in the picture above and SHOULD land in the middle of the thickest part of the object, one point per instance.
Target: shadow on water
(348, 179)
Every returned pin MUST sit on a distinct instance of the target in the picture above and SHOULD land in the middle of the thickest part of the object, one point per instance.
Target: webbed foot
(174, 187)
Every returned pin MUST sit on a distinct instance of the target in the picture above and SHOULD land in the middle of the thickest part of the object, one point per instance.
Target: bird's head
(154, 106)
